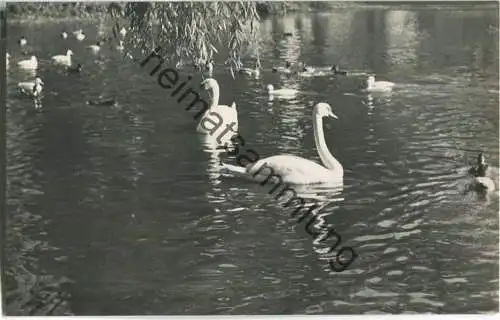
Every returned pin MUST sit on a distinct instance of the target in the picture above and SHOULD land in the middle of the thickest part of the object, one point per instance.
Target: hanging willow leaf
(192, 30)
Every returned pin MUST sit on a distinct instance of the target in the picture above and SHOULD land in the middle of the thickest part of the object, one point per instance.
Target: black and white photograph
(249, 158)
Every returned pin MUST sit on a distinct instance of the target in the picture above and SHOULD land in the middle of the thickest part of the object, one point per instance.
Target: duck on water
(481, 182)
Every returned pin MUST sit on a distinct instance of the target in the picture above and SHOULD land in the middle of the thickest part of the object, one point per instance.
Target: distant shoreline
(39, 13)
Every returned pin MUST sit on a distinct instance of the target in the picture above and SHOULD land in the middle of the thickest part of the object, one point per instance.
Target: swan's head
(209, 84)
(33, 58)
(324, 110)
(270, 88)
(69, 53)
(38, 81)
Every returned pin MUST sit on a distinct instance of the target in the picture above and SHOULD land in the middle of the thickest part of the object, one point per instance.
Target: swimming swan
(31, 88)
(30, 64)
(95, 47)
(228, 114)
(372, 85)
(297, 170)
(63, 59)
(79, 35)
(281, 92)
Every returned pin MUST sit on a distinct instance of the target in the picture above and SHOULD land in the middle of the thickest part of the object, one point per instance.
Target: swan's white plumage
(63, 59)
(297, 170)
(291, 169)
(30, 64)
(80, 36)
(372, 85)
(228, 114)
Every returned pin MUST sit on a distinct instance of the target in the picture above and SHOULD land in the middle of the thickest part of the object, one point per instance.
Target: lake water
(119, 210)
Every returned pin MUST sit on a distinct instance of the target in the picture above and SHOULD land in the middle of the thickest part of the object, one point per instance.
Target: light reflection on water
(122, 210)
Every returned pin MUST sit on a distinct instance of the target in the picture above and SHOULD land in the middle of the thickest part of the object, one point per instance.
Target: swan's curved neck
(215, 95)
(328, 160)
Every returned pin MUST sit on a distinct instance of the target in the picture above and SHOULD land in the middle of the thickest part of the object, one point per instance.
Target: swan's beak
(333, 115)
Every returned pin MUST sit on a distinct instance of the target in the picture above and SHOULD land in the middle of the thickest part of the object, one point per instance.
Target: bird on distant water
(281, 92)
(380, 86)
(481, 183)
(63, 59)
(120, 46)
(336, 71)
(64, 35)
(79, 35)
(31, 88)
(22, 41)
(100, 101)
(75, 69)
(95, 47)
(30, 64)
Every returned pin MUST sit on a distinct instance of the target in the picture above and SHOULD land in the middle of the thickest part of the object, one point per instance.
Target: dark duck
(336, 70)
(481, 182)
(75, 69)
(100, 101)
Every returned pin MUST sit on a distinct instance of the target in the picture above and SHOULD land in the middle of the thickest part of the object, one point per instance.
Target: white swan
(7, 57)
(223, 115)
(281, 92)
(79, 35)
(64, 35)
(29, 64)
(372, 85)
(63, 59)
(95, 47)
(31, 88)
(296, 170)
